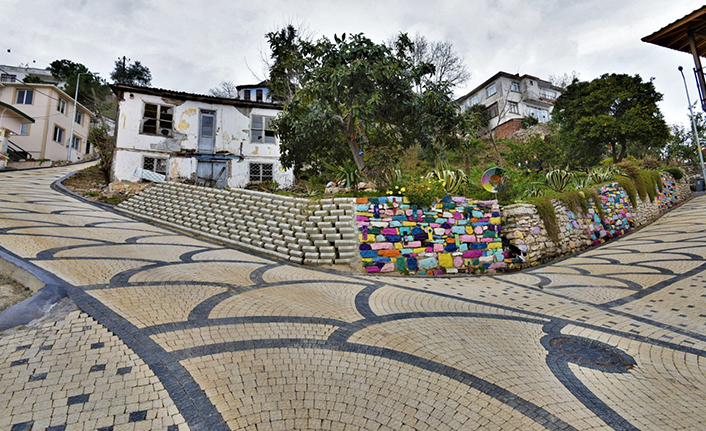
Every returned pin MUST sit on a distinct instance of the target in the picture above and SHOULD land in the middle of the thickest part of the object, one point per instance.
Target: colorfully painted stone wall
(456, 236)
(523, 227)
(304, 231)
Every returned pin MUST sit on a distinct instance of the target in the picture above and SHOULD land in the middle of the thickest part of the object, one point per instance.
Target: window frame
(493, 110)
(491, 90)
(61, 132)
(26, 91)
(474, 100)
(25, 129)
(543, 93)
(515, 86)
(156, 161)
(8, 77)
(76, 142)
(265, 128)
(158, 120)
(246, 94)
(78, 117)
(259, 95)
(513, 108)
(61, 105)
(260, 174)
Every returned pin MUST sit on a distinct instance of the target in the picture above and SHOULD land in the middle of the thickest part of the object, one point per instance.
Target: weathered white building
(509, 98)
(183, 136)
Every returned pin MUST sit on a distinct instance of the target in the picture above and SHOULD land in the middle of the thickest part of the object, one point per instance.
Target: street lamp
(73, 118)
(694, 130)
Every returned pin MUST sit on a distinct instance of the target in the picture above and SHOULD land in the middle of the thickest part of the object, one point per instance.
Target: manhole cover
(591, 354)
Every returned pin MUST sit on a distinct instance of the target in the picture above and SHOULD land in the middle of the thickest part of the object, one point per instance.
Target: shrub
(548, 215)
(677, 173)
(627, 185)
(627, 169)
(651, 163)
(424, 191)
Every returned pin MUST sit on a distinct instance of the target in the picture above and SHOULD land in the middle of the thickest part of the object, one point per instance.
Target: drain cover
(593, 355)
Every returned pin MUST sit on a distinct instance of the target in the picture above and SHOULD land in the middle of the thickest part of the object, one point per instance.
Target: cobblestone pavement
(170, 332)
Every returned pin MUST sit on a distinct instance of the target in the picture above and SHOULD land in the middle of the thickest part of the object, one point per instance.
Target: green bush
(677, 173)
(424, 191)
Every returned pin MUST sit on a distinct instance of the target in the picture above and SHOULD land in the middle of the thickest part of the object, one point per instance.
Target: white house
(184, 136)
(509, 98)
(12, 121)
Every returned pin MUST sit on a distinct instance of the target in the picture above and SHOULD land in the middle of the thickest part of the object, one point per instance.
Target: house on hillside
(165, 134)
(12, 122)
(256, 92)
(55, 117)
(509, 98)
(18, 74)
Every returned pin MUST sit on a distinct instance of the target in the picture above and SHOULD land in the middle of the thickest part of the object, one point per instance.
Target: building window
(75, 142)
(490, 90)
(542, 115)
(515, 86)
(474, 100)
(157, 120)
(547, 94)
(513, 108)
(61, 106)
(155, 164)
(246, 94)
(79, 117)
(24, 97)
(493, 110)
(58, 134)
(88, 147)
(261, 131)
(24, 129)
(260, 172)
(258, 95)
(6, 77)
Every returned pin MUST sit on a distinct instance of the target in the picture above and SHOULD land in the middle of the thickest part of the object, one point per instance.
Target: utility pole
(693, 126)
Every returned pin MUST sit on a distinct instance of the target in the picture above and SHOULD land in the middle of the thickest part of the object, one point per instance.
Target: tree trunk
(614, 153)
(357, 156)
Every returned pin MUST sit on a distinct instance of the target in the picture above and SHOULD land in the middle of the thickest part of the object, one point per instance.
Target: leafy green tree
(131, 74)
(615, 114)
(92, 90)
(681, 145)
(351, 94)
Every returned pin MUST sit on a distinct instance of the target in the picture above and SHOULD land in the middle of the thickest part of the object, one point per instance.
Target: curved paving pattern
(218, 339)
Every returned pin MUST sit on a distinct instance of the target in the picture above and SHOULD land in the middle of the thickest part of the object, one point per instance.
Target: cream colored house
(12, 120)
(53, 112)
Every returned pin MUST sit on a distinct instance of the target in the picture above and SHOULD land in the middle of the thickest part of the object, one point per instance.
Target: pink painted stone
(382, 246)
(458, 216)
(458, 261)
(439, 272)
(472, 254)
(458, 199)
(386, 219)
(497, 265)
(414, 244)
(389, 267)
(389, 231)
(430, 250)
(372, 269)
(438, 247)
(390, 212)
(362, 218)
(487, 239)
(434, 225)
(478, 230)
(467, 238)
(408, 213)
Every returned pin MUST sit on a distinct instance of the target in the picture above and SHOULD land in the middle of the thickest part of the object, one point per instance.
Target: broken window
(260, 172)
(513, 108)
(79, 117)
(547, 94)
(493, 110)
(258, 95)
(24, 129)
(58, 134)
(24, 97)
(155, 164)
(246, 94)
(157, 120)
(261, 131)
(6, 77)
(515, 86)
(61, 106)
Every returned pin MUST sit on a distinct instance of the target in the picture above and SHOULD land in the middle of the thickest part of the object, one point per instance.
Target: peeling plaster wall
(232, 132)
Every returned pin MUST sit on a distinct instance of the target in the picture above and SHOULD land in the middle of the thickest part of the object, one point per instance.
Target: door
(207, 132)
(212, 173)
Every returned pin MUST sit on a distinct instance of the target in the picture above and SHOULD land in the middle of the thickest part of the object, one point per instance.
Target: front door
(207, 132)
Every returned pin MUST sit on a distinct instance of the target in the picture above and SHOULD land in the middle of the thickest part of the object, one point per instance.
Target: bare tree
(225, 89)
(449, 66)
(564, 80)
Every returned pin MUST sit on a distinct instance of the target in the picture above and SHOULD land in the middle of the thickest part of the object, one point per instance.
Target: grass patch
(629, 186)
(548, 215)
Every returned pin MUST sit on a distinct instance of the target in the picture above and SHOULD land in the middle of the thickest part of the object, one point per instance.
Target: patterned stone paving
(162, 331)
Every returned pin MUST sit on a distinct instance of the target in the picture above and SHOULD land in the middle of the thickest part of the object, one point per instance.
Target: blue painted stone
(382, 200)
(416, 230)
(393, 238)
(362, 207)
(412, 264)
(459, 230)
(477, 214)
(381, 259)
(380, 238)
(404, 230)
(399, 218)
(478, 245)
(368, 253)
(440, 220)
(446, 199)
(407, 251)
(451, 247)
(373, 200)
(464, 247)
(395, 223)
(364, 247)
(446, 226)
(480, 223)
(428, 263)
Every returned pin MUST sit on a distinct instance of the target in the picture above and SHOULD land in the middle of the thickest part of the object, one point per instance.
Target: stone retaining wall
(458, 235)
(524, 228)
(312, 232)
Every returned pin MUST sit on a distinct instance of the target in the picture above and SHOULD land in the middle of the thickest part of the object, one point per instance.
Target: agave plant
(534, 192)
(452, 179)
(579, 181)
(602, 174)
(558, 180)
(347, 171)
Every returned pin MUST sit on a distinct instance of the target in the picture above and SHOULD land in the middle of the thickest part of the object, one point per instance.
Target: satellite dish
(492, 179)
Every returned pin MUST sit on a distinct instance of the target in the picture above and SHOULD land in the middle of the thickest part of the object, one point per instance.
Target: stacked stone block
(455, 236)
(313, 232)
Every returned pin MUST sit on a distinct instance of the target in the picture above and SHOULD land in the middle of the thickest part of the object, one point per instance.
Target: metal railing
(16, 153)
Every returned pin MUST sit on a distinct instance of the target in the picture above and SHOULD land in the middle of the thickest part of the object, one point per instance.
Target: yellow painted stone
(405, 200)
(398, 245)
(495, 220)
(366, 214)
(446, 260)
(495, 245)
(371, 238)
(367, 259)
(409, 223)
(469, 230)
(420, 250)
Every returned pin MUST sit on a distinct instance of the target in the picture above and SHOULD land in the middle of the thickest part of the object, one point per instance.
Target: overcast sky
(193, 45)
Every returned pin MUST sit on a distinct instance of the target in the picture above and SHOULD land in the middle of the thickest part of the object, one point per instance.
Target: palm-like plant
(451, 179)
(347, 171)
